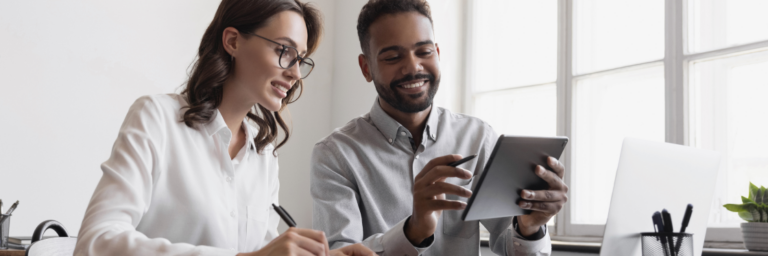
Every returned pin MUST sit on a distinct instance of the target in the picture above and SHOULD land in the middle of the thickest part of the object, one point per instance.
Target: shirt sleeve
(123, 194)
(504, 239)
(337, 213)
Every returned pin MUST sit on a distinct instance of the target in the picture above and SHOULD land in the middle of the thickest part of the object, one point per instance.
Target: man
(383, 178)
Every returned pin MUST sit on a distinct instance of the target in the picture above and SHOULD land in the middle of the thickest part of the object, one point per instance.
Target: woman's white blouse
(168, 189)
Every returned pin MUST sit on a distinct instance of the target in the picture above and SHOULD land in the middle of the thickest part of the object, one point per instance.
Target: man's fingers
(547, 207)
(556, 166)
(544, 195)
(436, 205)
(439, 173)
(442, 188)
(443, 160)
(554, 181)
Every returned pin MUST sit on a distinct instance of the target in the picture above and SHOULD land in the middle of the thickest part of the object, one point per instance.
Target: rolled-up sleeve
(124, 191)
(337, 211)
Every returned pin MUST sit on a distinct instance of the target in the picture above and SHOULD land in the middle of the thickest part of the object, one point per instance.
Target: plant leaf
(747, 200)
(761, 196)
(752, 191)
(765, 196)
(747, 216)
(755, 214)
(736, 207)
(763, 211)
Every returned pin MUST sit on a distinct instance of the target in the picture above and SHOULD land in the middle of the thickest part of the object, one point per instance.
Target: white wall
(69, 71)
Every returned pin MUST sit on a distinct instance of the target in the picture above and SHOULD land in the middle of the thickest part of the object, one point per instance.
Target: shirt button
(229, 179)
(402, 133)
(417, 156)
(232, 214)
(517, 244)
(390, 140)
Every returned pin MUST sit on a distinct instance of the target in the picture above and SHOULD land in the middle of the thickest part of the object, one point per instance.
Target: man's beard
(402, 102)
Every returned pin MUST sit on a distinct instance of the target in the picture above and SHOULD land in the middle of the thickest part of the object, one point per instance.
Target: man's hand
(295, 242)
(429, 191)
(543, 203)
(353, 250)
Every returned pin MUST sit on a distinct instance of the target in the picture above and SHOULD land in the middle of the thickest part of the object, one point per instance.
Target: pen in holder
(667, 244)
(5, 226)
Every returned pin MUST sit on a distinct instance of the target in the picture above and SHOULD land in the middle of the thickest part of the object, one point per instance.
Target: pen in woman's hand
(284, 215)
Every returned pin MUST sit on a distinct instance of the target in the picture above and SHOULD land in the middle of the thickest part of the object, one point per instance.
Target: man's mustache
(411, 77)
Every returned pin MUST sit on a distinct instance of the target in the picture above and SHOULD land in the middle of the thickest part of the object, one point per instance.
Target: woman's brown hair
(204, 89)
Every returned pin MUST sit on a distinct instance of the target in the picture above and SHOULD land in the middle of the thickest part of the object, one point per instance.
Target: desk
(12, 252)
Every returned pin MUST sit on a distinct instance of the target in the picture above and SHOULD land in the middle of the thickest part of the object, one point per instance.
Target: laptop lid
(653, 176)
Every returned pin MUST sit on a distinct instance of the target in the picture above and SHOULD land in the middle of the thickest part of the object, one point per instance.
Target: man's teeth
(413, 85)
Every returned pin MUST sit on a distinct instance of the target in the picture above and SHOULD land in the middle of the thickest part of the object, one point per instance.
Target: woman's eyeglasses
(289, 56)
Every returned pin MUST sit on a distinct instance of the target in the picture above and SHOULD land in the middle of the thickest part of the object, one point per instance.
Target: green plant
(754, 208)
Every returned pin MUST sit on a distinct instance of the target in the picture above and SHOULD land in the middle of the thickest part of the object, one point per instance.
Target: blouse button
(232, 214)
(229, 179)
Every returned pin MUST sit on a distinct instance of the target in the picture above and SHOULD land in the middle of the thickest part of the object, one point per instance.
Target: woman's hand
(353, 250)
(296, 242)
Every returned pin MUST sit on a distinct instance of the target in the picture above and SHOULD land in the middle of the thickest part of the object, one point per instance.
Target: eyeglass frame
(298, 58)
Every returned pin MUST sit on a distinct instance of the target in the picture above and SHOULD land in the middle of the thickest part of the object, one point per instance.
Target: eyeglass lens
(290, 56)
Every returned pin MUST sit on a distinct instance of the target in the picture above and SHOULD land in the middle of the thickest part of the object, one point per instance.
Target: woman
(188, 174)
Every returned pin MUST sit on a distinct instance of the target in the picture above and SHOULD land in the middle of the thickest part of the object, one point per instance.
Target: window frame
(677, 60)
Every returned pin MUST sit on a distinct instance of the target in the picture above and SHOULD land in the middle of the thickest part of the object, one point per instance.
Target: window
(688, 72)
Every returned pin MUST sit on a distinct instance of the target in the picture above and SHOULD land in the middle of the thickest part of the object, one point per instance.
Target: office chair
(57, 246)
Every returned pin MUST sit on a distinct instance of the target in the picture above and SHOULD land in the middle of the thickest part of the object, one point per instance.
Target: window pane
(514, 43)
(728, 114)
(718, 24)
(607, 109)
(610, 33)
(521, 111)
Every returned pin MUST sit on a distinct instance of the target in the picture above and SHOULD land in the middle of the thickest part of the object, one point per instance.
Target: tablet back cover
(509, 170)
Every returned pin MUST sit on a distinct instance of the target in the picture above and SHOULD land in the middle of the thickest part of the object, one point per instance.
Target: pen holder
(667, 244)
(5, 226)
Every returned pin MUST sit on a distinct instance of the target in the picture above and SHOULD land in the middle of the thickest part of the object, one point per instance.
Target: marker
(284, 215)
(658, 224)
(463, 160)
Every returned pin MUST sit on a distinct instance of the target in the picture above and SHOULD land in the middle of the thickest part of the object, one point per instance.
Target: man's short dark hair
(377, 8)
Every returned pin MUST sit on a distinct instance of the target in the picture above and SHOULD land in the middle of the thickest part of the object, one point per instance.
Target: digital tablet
(510, 170)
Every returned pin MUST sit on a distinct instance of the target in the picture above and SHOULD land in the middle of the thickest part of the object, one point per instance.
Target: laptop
(652, 176)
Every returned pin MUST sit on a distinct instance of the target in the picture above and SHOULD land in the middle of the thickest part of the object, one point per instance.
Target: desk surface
(12, 252)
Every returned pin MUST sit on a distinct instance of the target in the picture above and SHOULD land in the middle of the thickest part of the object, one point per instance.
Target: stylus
(463, 160)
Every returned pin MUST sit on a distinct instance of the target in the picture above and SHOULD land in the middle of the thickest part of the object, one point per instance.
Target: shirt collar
(218, 124)
(389, 127)
(215, 125)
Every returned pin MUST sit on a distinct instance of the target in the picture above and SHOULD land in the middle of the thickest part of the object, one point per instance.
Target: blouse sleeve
(123, 194)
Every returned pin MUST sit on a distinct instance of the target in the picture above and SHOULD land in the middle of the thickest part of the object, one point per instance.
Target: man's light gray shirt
(362, 181)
